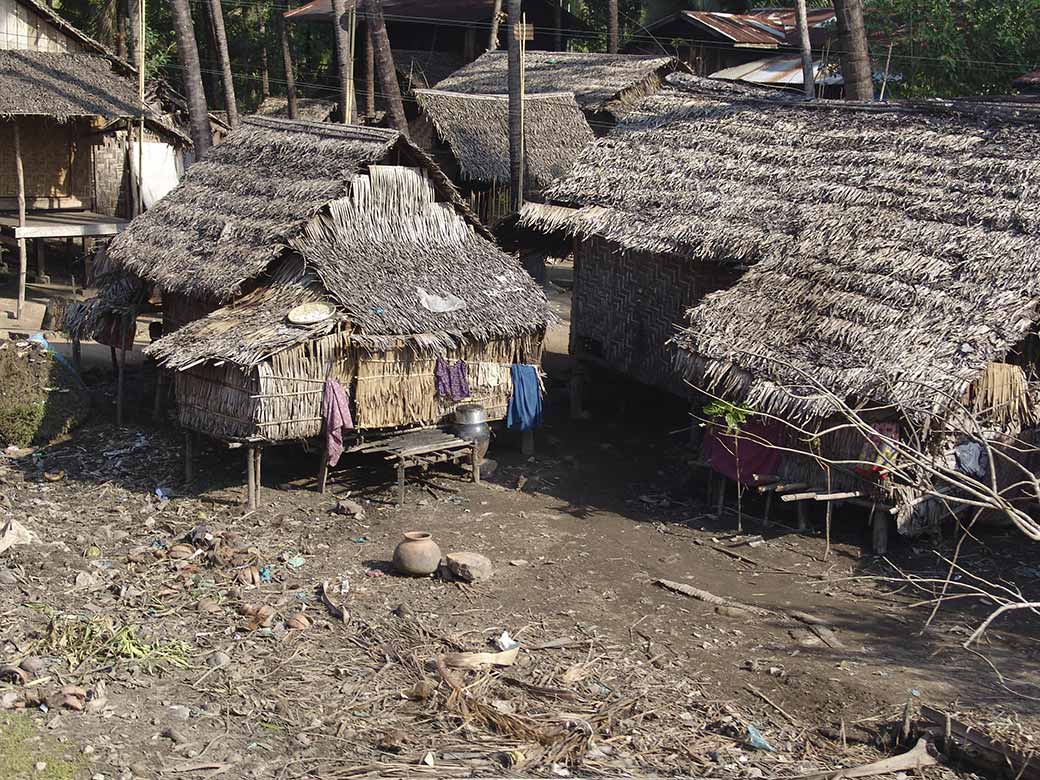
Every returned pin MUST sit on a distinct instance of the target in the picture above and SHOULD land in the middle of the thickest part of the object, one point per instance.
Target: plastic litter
(757, 741)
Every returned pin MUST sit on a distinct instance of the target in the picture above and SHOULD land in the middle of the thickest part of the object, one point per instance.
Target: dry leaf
(299, 621)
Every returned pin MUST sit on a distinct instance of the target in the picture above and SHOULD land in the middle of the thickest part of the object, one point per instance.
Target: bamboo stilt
(250, 478)
(323, 469)
(189, 457)
(879, 521)
(23, 261)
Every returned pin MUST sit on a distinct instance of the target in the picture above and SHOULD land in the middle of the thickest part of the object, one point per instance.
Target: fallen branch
(912, 759)
(710, 598)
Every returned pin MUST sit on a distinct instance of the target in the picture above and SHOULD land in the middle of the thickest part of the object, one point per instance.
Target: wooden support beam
(803, 517)
(258, 456)
(400, 483)
(323, 469)
(41, 262)
(20, 177)
(250, 478)
(798, 496)
(837, 496)
(189, 457)
(527, 443)
(121, 371)
(879, 524)
(475, 464)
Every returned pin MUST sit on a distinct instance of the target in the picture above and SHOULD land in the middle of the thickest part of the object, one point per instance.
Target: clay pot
(418, 554)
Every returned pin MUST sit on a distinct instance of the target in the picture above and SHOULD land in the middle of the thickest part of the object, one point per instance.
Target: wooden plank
(837, 496)
(71, 231)
(798, 496)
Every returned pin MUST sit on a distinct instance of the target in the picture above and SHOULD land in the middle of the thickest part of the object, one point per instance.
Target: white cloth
(163, 168)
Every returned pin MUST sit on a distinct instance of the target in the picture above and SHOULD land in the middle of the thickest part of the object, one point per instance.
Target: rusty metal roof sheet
(742, 29)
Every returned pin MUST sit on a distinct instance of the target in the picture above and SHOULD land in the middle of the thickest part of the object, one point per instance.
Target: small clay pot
(418, 554)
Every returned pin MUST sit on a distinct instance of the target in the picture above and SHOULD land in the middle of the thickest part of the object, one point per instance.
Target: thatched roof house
(468, 136)
(901, 276)
(357, 219)
(604, 85)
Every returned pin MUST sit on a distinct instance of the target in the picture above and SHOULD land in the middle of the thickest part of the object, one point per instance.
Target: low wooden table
(417, 449)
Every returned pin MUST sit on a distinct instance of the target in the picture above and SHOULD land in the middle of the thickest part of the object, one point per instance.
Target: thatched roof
(307, 109)
(476, 129)
(239, 208)
(894, 250)
(599, 81)
(423, 69)
(64, 86)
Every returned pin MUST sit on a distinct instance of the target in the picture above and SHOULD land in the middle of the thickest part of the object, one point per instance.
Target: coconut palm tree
(220, 38)
(188, 54)
(385, 65)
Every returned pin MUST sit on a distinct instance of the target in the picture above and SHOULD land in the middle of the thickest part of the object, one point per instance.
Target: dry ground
(175, 675)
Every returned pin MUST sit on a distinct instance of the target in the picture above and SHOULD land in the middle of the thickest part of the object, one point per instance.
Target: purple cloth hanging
(335, 411)
(450, 380)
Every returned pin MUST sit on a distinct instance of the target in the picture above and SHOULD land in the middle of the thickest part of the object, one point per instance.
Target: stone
(469, 566)
(179, 712)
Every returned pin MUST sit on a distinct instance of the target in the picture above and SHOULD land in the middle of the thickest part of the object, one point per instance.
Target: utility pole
(344, 61)
(802, 17)
(855, 56)
(516, 139)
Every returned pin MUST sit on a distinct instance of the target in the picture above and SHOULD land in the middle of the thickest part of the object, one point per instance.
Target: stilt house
(356, 224)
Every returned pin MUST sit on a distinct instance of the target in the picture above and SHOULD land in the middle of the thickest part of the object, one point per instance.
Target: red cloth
(721, 449)
(111, 332)
(335, 410)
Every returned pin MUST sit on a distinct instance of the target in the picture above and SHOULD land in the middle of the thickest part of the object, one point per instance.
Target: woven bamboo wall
(218, 400)
(397, 388)
(55, 159)
(626, 305)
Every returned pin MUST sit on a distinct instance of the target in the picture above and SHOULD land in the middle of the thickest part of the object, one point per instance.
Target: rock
(178, 712)
(218, 660)
(422, 690)
(174, 736)
(139, 770)
(346, 506)
(733, 612)
(469, 566)
(33, 665)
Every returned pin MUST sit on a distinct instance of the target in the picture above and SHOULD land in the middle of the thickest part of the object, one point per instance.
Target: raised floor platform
(60, 224)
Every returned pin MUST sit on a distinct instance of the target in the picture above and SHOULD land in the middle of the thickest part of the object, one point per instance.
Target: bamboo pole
(140, 96)
(22, 258)
(250, 478)
(808, 79)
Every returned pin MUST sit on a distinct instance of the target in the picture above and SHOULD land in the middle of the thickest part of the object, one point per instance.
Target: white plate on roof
(310, 313)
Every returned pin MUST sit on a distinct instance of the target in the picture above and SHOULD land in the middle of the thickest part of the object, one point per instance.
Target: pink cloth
(721, 450)
(335, 410)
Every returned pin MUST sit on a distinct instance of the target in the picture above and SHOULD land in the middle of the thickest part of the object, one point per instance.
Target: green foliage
(732, 415)
(955, 47)
(20, 422)
(23, 746)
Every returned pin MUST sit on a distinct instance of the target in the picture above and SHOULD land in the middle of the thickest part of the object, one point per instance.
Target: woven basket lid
(310, 313)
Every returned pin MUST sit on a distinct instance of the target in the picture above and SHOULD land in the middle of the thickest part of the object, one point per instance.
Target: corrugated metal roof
(742, 29)
(776, 72)
(784, 18)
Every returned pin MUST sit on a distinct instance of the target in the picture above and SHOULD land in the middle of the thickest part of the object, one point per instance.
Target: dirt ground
(190, 662)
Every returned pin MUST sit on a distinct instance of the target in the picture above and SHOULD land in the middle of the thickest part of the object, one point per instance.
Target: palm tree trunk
(290, 73)
(496, 17)
(855, 56)
(516, 162)
(265, 75)
(370, 72)
(133, 29)
(385, 66)
(344, 62)
(612, 26)
(188, 54)
(220, 38)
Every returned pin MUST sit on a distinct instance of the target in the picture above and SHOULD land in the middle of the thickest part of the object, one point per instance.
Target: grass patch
(22, 746)
(79, 639)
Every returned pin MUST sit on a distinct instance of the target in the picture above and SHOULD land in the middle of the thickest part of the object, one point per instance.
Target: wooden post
(258, 457)
(124, 331)
(802, 20)
(803, 517)
(158, 404)
(475, 463)
(514, 35)
(720, 486)
(323, 469)
(400, 482)
(41, 261)
(189, 457)
(827, 521)
(22, 259)
(879, 521)
(527, 443)
(250, 478)
(769, 507)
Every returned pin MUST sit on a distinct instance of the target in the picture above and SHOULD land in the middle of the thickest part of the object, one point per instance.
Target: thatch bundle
(476, 129)
(599, 82)
(307, 109)
(407, 272)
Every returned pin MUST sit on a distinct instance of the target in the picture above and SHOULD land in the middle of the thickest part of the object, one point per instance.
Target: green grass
(22, 746)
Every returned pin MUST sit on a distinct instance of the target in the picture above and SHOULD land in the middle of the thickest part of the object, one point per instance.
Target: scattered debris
(12, 532)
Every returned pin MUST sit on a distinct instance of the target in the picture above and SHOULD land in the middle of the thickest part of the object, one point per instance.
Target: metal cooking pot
(471, 425)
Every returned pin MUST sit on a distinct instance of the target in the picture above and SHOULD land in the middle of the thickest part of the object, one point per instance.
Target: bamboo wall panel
(218, 400)
(55, 156)
(627, 305)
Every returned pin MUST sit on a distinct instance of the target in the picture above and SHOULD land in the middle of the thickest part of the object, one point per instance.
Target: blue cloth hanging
(525, 405)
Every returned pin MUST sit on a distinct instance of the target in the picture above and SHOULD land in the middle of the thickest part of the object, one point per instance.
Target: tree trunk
(855, 56)
(290, 74)
(808, 80)
(370, 72)
(120, 28)
(265, 75)
(496, 17)
(220, 38)
(385, 67)
(557, 11)
(612, 26)
(188, 54)
(516, 160)
(133, 29)
(344, 61)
